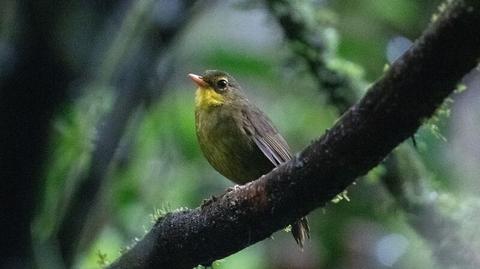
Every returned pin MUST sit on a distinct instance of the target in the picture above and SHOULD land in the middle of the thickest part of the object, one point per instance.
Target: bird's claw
(234, 188)
(213, 198)
(208, 201)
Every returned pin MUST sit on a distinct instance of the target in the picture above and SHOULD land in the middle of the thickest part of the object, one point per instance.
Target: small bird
(236, 137)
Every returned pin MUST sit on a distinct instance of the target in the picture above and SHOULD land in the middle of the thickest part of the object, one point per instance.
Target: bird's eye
(222, 84)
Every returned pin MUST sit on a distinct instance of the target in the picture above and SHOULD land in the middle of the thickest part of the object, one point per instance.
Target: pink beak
(198, 80)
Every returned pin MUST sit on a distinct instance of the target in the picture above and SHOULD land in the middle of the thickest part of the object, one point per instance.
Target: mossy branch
(405, 177)
(391, 111)
(308, 40)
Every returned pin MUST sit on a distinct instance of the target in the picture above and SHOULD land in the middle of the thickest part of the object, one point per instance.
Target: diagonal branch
(307, 40)
(390, 112)
(405, 176)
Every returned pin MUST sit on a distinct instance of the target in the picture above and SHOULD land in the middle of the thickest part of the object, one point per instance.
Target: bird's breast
(227, 147)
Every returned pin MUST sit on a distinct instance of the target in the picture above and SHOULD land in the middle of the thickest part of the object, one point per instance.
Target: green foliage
(160, 213)
(460, 88)
(374, 176)
(442, 113)
(72, 141)
(102, 259)
(341, 196)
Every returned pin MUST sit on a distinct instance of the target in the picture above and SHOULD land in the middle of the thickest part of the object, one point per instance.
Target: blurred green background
(128, 125)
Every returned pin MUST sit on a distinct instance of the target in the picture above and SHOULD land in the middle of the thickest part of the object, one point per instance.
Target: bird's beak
(198, 80)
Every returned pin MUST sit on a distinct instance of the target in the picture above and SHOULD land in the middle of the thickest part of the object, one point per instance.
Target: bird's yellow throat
(208, 97)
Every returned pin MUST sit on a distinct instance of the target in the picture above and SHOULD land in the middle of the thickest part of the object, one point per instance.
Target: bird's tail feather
(301, 231)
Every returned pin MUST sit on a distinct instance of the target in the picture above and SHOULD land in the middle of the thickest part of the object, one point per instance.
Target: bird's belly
(232, 153)
(240, 163)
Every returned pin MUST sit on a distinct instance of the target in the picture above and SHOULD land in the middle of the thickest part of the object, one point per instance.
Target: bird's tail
(301, 231)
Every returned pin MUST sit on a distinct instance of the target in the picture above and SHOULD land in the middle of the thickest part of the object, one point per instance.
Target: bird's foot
(234, 188)
(213, 198)
(208, 201)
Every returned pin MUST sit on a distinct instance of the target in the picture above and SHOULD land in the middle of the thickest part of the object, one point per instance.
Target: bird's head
(216, 88)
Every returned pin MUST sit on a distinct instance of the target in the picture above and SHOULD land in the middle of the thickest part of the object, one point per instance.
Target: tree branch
(405, 178)
(390, 112)
(307, 41)
(131, 76)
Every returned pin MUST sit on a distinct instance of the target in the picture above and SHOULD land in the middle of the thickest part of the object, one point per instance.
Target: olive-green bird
(236, 137)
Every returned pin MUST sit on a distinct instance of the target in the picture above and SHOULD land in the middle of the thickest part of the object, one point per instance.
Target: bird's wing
(266, 136)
